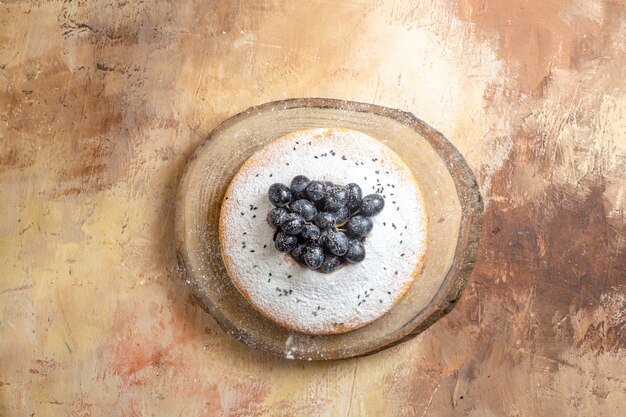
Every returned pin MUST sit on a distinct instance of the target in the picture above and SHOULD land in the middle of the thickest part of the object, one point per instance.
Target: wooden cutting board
(453, 203)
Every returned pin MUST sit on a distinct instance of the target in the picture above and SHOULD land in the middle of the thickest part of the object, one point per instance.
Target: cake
(354, 294)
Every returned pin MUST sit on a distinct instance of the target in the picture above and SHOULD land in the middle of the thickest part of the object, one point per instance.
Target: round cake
(354, 294)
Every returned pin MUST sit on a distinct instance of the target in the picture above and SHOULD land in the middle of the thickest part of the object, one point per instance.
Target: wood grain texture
(101, 103)
(450, 192)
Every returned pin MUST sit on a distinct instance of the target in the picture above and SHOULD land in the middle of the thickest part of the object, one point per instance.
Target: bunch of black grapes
(321, 224)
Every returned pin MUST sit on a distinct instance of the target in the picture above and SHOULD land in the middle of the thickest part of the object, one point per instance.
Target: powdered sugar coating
(356, 294)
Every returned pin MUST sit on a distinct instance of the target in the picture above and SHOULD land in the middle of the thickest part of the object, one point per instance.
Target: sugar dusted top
(354, 295)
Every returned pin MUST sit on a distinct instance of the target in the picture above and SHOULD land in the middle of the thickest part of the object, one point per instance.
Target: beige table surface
(100, 104)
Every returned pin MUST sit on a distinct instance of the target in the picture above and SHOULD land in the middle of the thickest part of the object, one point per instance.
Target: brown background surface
(101, 103)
